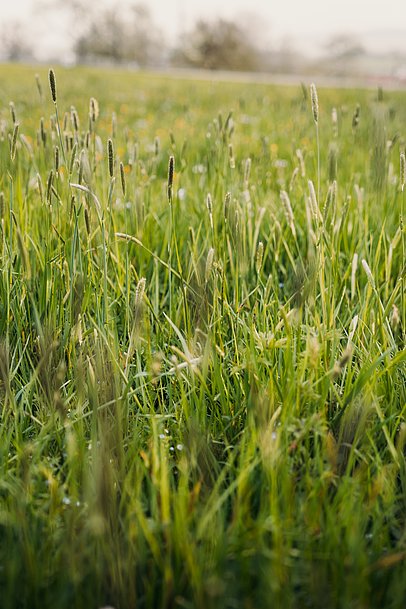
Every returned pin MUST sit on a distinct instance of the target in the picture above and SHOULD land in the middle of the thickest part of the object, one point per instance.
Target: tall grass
(202, 372)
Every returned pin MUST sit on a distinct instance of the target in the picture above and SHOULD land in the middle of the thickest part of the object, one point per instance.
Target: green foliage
(218, 45)
(189, 419)
(118, 34)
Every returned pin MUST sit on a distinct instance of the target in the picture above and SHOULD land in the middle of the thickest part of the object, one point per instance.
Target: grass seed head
(259, 257)
(110, 154)
(52, 84)
(43, 132)
(402, 170)
(343, 361)
(288, 211)
(314, 206)
(231, 156)
(300, 158)
(313, 351)
(74, 119)
(93, 109)
(315, 102)
(81, 167)
(14, 141)
(139, 303)
(209, 203)
(395, 319)
(49, 185)
(356, 116)
(139, 291)
(295, 173)
(171, 170)
(369, 275)
(330, 199)
(227, 201)
(353, 327)
(13, 112)
(346, 356)
(122, 178)
(87, 221)
(247, 172)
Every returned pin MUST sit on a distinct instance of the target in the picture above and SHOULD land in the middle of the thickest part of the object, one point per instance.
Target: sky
(303, 24)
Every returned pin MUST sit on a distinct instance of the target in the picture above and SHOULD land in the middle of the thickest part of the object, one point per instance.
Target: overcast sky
(304, 23)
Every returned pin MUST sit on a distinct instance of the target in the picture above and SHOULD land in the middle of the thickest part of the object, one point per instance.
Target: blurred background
(350, 39)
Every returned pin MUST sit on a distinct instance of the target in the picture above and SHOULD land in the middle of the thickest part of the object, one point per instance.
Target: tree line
(129, 35)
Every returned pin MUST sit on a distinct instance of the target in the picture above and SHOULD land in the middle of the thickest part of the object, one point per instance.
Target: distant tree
(13, 42)
(120, 36)
(217, 45)
(342, 55)
(343, 46)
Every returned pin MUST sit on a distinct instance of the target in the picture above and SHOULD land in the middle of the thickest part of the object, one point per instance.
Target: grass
(186, 421)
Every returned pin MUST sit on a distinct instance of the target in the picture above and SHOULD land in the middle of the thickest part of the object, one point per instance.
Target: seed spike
(315, 102)
(259, 257)
(56, 159)
(93, 109)
(288, 211)
(13, 112)
(14, 141)
(209, 264)
(139, 291)
(122, 178)
(171, 169)
(368, 273)
(52, 84)
(110, 153)
(356, 115)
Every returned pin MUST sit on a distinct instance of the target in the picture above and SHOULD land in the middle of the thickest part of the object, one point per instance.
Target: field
(202, 371)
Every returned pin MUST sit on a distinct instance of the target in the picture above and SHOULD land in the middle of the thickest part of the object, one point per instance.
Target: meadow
(202, 356)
